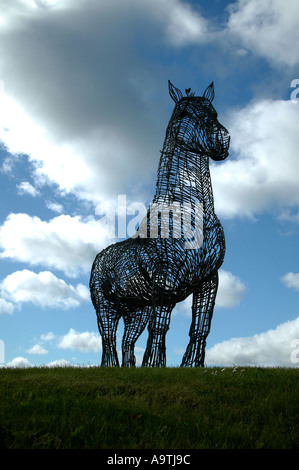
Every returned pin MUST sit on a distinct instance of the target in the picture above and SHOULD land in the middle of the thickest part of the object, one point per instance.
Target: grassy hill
(165, 408)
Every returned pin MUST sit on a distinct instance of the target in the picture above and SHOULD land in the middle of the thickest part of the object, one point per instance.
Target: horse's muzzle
(221, 145)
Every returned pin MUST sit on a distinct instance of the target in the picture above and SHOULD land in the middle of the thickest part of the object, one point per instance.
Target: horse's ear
(174, 92)
(210, 92)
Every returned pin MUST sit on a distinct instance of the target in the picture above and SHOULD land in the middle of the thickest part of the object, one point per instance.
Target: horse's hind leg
(135, 323)
(202, 312)
(108, 319)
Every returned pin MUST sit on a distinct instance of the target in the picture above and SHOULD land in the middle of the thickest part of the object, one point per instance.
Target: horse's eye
(182, 115)
(212, 111)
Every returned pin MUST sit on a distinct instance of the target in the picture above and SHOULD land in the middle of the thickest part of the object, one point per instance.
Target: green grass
(167, 408)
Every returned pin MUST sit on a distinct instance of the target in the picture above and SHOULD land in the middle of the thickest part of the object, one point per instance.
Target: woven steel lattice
(177, 249)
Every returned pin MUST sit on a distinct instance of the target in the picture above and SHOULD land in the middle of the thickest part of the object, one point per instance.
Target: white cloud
(48, 336)
(291, 280)
(59, 363)
(268, 28)
(43, 289)
(61, 163)
(85, 342)
(84, 122)
(22, 362)
(55, 207)
(271, 348)
(26, 188)
(179, 21)
(288, 215)
(19, 362)
(185, 26)
(6, 307)
(118, 120)
(139, 353)
(88, 108)
(64, 242)
(230, 291)
(37, 349)
(265, 140)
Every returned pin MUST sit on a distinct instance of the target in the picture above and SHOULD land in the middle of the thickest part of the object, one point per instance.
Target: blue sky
(84, 106)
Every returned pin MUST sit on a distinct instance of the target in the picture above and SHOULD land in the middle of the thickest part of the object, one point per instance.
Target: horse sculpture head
(194, 126)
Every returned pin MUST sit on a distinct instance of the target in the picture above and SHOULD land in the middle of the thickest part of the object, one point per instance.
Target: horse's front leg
(155, 353)
(202, 312)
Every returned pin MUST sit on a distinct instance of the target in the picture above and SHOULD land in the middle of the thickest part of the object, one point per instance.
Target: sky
(84, 107)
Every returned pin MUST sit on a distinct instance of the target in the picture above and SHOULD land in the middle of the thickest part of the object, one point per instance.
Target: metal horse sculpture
(142, 278)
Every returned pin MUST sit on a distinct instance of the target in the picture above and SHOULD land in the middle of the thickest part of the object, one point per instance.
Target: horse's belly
(130, 272)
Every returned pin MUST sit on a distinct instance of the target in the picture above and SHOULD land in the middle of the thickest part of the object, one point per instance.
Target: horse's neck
(184, 178)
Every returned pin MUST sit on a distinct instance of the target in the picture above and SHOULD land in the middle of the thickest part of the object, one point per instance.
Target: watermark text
(295, 93)
(160, 220)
